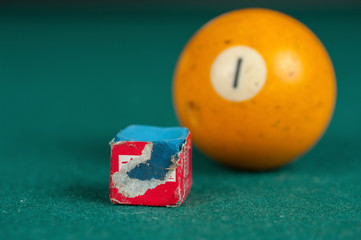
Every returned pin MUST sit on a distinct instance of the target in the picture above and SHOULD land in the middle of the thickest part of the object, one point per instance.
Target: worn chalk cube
(151, 166)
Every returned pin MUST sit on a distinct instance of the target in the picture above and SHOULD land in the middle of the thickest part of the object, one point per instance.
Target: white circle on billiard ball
(238, 73)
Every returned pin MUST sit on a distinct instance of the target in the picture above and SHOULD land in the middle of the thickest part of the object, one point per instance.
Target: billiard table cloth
(70, 78)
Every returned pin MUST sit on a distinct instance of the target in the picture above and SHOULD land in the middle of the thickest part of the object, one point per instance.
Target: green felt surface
(71, 79)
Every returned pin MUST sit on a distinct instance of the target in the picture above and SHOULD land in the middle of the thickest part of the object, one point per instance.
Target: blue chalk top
(176, 135)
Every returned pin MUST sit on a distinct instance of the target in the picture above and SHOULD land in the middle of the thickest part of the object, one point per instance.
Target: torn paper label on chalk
(148, 178)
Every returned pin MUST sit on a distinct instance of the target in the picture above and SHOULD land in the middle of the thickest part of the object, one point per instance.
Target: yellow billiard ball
(255, 87)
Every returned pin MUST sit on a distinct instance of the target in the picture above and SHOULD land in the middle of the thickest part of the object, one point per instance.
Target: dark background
(72, 74)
